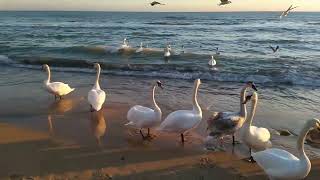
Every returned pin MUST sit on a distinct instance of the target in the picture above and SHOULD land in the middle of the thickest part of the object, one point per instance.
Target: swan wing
(180, 121)
(262, 134)
(96, 98)
(59, 88)
(224, 121)
(275, 159)
(141, 116)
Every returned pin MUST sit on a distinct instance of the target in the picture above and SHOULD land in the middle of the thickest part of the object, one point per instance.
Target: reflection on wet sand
(98, 125)
(63, 106)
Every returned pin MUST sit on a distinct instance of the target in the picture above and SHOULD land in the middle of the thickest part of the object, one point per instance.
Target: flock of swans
(277, 163)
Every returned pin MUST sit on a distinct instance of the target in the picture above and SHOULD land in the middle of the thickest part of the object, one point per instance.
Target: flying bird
(224, 2)
(156, 3)
(285, 13)
(274, 49)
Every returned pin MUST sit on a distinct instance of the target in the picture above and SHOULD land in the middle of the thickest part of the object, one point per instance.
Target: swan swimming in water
(144, 117)
(58, 89)
(96, 96)
(140, 49)
(280, 164)
(212, 62)
(183, 120)
(254, 137)
(227, 123)
(167, 51)
(125, 44)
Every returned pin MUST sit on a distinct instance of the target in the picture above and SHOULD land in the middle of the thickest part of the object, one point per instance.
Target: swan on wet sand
(212, 62)
(140, 49)
(280, 164)
(144, 117)
(254, 137)
(96, 95)
(227, 123)
(125, 44)
(58, 89)
(183, 120)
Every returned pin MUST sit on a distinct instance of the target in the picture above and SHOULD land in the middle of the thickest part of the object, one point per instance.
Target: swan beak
(159, 84)
(254, 87)
(247, 99)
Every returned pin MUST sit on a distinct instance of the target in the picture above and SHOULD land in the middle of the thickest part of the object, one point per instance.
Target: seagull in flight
(156, 3)
(274, 49)
(285, 13)
(224, 2)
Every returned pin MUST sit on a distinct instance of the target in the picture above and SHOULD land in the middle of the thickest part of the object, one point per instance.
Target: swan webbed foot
(249, 159)
(182, 138)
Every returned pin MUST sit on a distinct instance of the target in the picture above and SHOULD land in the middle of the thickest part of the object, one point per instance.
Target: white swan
(280, 164)
(167, 51)
(58, 89)
(125, 44)
(212, 62)
(227, 123)
(144, 117)
(184, 120)
(96, 96)
(254, 137)
(140, 49)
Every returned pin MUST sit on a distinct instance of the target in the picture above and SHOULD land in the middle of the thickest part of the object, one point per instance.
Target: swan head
(314, 123)
(253, 97)
(159, 84)
(197, 82)
(96, 65)
(252, 85)
(45, 67)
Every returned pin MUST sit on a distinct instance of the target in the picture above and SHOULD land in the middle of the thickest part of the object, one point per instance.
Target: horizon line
(147, 11)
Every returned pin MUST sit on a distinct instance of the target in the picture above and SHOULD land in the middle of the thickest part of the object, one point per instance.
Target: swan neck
(253, 111)
(195, 103)
(243, 109)
(49, 75)
(155, 105)
(97, 85)
(300, 142)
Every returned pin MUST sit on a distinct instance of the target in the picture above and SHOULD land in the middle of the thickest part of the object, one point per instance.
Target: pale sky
(171, 5)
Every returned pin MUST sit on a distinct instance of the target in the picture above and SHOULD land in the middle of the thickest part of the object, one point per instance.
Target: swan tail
(129, 124)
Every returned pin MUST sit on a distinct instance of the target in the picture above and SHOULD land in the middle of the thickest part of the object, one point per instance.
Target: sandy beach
(66, 141)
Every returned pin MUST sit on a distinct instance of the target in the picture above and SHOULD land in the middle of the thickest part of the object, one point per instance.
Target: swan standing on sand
(212, 62)
(255, 138)
(58, 89)
(144, 117)
(140, 49)
(227, 123)
(184, 120)
(96, 96)
(280, 164)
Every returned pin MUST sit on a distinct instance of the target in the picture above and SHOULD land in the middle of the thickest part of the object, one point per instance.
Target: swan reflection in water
(59, 108)
(98, 125)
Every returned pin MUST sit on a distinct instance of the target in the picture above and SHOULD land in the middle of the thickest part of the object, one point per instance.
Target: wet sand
(98, 146)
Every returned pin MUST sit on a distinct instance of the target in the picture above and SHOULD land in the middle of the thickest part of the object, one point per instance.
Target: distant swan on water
(58, 89)
(254, 137)
(212, 62)
(125, 44)
(167, 51)
(144, 117)
(183, 120)
(280, 164)
(140, 49)
(96, 96)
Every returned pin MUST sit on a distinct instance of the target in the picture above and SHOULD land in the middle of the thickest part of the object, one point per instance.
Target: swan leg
(55, 97)
(182, 138)
(234, 142)
(143, 137)
(250, 159)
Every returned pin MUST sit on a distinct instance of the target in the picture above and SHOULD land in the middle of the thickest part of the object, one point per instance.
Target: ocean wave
(169, 23)
(173, 71)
